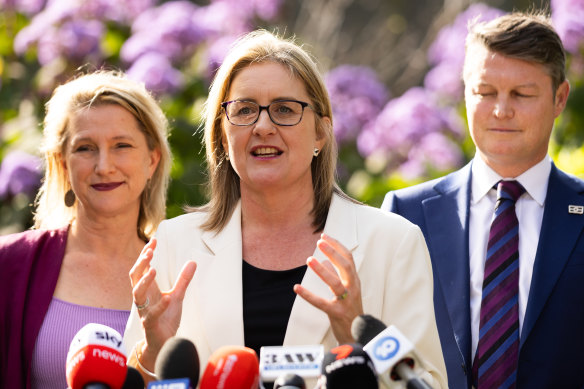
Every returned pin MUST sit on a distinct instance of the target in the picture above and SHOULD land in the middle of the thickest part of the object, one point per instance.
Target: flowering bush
(174, 47)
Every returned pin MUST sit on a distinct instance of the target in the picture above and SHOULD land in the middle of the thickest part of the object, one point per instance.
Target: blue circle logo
(386, 347)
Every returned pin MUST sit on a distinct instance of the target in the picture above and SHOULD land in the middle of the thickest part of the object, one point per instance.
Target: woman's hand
(344, 284)
(159, 311)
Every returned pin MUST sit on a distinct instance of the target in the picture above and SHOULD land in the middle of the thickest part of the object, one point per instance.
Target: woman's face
(108, 161)
(265, 155)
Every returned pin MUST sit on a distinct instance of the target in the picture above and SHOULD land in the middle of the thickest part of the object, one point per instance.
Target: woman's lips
(106, 186)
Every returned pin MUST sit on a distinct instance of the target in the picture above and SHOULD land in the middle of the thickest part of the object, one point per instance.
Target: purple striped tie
(496, 358)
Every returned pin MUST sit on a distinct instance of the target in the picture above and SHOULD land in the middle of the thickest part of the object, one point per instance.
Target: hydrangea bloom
(28, 7)
(568, 19)
(176, 30)
(436, 152)
(157, 73)
(357, 96)
(405, 123)
(20, 172)
(447, 51)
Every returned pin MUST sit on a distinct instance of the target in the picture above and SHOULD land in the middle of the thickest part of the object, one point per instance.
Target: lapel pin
(576, 209)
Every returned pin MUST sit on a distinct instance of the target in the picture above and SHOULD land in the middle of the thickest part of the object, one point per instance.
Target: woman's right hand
(159, 311)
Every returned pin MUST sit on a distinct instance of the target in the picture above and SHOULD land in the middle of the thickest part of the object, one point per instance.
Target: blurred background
(392, 68)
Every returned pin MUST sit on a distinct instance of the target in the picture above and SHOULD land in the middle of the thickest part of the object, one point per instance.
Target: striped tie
(496, 358)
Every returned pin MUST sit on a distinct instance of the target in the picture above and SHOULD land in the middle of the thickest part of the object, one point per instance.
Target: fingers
(338, 255)
(142, 264)
(184, 278)
(141, 290)
(328, 274)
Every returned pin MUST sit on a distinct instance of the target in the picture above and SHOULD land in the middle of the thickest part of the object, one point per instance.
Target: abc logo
(386, 347)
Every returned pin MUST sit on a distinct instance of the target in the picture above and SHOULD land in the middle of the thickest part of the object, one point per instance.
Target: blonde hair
(223, 182)
(98, 88)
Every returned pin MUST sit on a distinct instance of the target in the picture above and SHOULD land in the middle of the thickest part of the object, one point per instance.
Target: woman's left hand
(345, 285)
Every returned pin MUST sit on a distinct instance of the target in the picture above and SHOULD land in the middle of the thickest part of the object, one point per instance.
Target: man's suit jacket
(551, 353)
(389, 253)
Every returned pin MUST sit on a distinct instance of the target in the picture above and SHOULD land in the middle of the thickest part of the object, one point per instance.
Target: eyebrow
(275, 99)
(86, 138)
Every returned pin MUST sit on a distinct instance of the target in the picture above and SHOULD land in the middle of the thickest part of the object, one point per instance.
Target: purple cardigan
(30, 263)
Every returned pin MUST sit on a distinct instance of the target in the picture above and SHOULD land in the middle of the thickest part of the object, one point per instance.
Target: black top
(268, 297)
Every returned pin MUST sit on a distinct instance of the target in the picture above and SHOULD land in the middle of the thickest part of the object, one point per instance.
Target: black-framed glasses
(281, 112)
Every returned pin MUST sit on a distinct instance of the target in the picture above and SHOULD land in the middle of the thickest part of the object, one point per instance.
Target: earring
(69, 198)
(227, 156)
(315, 152)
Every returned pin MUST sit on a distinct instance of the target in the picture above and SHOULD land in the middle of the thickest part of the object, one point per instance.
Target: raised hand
(159, 311)
(343, 282)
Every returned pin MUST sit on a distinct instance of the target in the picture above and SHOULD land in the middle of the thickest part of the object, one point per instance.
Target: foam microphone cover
(232, 367)
(289, 381)
(348, 366)
(178, 358)
(96, 358)
(366, 327)
(133, 380)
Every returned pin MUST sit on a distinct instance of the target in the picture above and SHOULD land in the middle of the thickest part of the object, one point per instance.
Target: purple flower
(28, 7)
(174, 36)
(405, 121)
(447, 51)
(434, 152)
(568, 19)
(216, 52)
(357, 96)
(157, 73)
(19, 173)
(265, 9)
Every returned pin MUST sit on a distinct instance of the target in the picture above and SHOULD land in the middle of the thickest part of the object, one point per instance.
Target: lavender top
(61, 323)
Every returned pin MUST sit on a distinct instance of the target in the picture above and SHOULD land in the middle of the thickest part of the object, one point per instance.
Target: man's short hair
(525, 36)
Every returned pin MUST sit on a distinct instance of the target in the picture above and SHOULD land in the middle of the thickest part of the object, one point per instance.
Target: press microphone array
(389, 350)
(232, 367)
(97, 360)
(177, 365)
(347, 366)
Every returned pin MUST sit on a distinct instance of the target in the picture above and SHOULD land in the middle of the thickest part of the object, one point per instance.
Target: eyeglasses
(281, 112)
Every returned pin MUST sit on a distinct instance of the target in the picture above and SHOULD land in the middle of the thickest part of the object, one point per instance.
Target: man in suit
(515, 87)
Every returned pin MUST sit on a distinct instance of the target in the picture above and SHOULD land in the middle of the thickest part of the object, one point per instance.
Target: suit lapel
(307, 324)
(560, 231)
(447, 216)
(222, 303)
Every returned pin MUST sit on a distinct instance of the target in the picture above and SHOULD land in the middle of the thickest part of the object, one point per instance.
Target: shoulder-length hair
(223, 187)
(86, 91)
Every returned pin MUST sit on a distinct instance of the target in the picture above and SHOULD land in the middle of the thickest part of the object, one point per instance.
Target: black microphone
(389, 349)
(347, 366)
(133, 379)
(178, 364)
(289, 381)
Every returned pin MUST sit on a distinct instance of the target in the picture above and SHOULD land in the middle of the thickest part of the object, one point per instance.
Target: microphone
(289, 381)
(133, 379)
(347, 366)
(389, 349)
(177, 365)
(231, 367)
(96, 359)
(304, 361)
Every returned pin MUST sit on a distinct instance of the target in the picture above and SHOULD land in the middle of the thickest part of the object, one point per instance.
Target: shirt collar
(534, 180)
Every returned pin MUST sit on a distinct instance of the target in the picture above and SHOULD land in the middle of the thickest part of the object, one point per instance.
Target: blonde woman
(104, 192)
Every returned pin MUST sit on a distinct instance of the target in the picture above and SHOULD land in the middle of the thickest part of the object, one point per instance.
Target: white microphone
(389, 350)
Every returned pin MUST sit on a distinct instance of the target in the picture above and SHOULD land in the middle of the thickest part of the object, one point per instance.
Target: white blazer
(389, 252)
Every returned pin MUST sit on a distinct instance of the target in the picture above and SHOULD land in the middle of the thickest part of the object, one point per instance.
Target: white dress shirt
(529, 210)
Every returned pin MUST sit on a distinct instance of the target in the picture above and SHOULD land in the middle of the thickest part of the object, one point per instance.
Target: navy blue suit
(551, 353)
